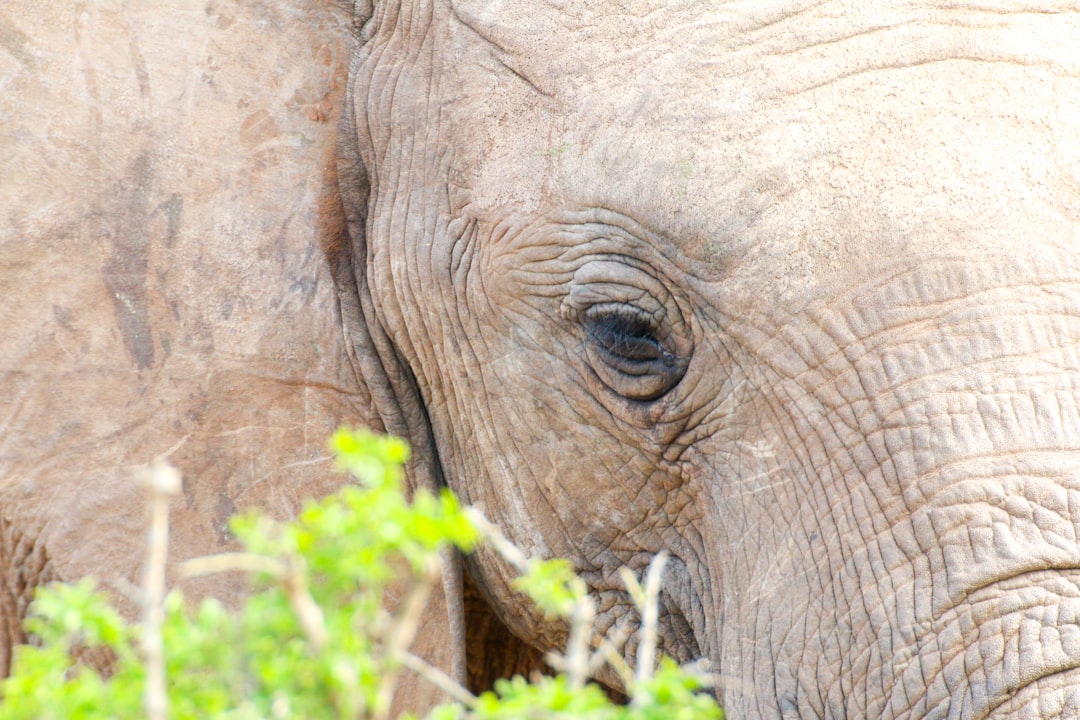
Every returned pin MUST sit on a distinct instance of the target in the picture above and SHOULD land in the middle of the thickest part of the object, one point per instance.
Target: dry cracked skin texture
(163, 286)
(167, 202)
(855, 226)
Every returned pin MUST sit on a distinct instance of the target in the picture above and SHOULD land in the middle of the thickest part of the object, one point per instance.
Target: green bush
(314, 639)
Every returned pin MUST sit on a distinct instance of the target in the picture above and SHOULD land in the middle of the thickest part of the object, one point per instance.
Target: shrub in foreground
(314, 639)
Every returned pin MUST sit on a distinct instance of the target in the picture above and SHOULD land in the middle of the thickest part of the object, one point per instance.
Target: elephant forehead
(761, 131)
(953, 156)
(561, 45)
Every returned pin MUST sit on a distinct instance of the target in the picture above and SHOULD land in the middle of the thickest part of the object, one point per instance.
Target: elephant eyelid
(613, 281)
(626, 334)
(584, 297)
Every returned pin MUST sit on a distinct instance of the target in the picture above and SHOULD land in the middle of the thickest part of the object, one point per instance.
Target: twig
(439, 679)
(303, 604)
(577, 646)
(401, 632)
(576, 662)
(224, 562)
(163, 480)
(630, 581)
(510, 552)
(291, 572)
(646, 656)
(609, 651)
(701, 669)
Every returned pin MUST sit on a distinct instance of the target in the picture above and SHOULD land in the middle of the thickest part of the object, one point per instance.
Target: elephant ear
(391, 401)
(395, 403)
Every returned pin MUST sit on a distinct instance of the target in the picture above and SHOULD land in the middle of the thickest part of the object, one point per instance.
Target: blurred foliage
(313, 639)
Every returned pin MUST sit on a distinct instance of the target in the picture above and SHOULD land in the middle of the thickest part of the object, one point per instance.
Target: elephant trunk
(908, 497)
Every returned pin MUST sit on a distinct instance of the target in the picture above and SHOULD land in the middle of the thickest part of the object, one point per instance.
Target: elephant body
(160, 224)
(790, 291)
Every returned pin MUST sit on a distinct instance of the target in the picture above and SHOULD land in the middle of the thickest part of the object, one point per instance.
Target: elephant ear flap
(389, 401)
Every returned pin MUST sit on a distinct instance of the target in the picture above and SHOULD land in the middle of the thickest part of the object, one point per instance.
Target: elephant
(787, 290)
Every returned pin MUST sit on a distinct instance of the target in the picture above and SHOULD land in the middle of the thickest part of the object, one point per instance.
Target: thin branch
(556, 662)
(577, 646)
(303, 604)
(702, 670)
(224, 562)
(509, 551)
(630, 581)
(646, 656)
(401, 633)
(290, 572)
(610, 651)
(439, 679)
(163, 481)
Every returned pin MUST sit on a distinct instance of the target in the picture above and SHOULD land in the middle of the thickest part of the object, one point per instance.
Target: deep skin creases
(876, 327)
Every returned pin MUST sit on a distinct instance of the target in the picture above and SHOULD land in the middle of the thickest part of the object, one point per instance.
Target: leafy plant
(314, 639)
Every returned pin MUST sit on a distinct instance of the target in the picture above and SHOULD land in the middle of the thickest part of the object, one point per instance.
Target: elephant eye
(627, 351)
(634, 334)
(626, 337)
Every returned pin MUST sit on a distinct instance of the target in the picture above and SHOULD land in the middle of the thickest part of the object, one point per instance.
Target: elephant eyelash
(627, 337)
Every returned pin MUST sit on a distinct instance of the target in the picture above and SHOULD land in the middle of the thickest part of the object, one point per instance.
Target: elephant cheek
(911, 550)
(895, 623)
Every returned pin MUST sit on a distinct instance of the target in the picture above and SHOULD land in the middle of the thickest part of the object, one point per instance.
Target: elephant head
(788, 290)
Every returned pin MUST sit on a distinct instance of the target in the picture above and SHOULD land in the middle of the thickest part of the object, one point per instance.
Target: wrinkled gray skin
(848, 406)
(789, 291)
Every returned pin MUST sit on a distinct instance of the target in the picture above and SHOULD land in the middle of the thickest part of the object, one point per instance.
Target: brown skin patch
(333, 235)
